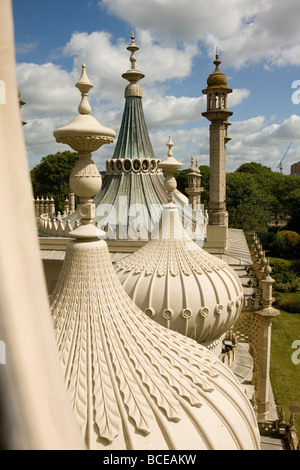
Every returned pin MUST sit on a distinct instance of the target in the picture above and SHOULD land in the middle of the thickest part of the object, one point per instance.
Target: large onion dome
(134, 384)
(181, 286)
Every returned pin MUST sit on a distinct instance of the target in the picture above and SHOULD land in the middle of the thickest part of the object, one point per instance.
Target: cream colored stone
(134, 384)
(178, 284)
(217, 114)
(35, 408)
(172, 273)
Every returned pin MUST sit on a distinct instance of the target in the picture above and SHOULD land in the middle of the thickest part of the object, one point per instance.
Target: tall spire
(133, 140)
(218, 114)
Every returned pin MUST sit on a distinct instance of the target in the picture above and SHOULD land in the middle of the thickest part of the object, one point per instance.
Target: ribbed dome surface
(134, 384)
(181, 286)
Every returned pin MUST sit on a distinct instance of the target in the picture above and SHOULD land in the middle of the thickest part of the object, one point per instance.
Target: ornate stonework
(132, 383)
(176, 282)
(130, 378)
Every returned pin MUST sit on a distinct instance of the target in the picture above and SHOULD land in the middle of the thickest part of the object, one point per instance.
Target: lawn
(285, 374)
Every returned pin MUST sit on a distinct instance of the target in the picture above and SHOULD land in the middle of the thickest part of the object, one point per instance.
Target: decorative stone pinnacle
(169, 165)
(170, 145)
(132, 48)
(84, 85)
(85, 135)
(217, 61)
(133, 75)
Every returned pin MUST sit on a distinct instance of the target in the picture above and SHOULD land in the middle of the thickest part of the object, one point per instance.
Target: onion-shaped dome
(134, 384)
(181, 286)
(217, 78)
(193, 170)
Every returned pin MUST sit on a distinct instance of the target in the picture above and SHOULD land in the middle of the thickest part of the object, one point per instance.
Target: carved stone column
(266, 314)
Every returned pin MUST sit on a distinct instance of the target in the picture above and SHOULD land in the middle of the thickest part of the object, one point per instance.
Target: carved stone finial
(132, 48)
(217, 61)
(85, 135)
(169, 165)
(133, 75)
(84, 85)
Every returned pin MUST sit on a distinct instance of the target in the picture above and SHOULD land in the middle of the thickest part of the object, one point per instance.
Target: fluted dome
(132, 383)
(181, 286)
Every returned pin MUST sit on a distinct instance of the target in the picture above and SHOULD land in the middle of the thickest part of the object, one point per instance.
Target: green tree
(182, 180)
(249, 207)
(51, 177)
(292, 205)
(286, 244)
(252, 167)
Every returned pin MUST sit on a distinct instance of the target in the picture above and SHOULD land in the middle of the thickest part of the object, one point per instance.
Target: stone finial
(217, 61)
(84, 85)
(133, 75)
(169, 165)
(132, 48)
(85, 135)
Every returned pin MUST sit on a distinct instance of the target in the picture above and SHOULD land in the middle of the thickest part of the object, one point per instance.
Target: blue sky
(259, 44)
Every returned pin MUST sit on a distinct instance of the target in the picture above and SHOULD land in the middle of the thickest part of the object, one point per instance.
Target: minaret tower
(218, 115)
(194, 185)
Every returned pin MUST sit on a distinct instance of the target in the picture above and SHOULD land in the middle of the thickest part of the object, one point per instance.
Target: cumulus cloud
(170, 111)
(278, 134)
(253, 140)
(38, 133)
(47, 89)
(247, 32)
(171, 35)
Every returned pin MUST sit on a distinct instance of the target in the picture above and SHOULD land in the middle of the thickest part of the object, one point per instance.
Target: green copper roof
(133, 140)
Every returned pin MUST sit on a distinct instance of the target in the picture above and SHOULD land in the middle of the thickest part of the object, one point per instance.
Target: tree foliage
(249, 207)
(286, 244)
(51, 177)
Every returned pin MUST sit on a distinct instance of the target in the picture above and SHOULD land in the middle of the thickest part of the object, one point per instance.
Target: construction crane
(280, 163)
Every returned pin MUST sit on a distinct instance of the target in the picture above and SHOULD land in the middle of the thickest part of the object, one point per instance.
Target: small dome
(193, 170)
(181, 286)
(217, 78)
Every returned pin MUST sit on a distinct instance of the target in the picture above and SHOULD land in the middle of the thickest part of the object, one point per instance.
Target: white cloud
(167, 34)
(23, 48)
(46, 89)
(184, 20)
(38, 134)
(246, 32)
(253, 140)
(277, 134)
(170, 111)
